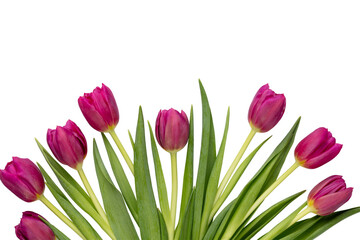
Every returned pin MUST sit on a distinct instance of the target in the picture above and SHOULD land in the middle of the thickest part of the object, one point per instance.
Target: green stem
(173, 195)
(122, 150)
(92, 195)
(271, 188)
(234, 164)
(60, 215)
(302, 214)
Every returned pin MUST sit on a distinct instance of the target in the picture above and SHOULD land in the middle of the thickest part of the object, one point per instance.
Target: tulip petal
(331, 202)
(323, 158)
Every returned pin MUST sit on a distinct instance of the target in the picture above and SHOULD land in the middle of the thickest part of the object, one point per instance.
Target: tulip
(31, 227)
(100, 109)
(318, 148)
(22, 177)
(266, 109)
(68, 144)
(172, 129)
(330, 194)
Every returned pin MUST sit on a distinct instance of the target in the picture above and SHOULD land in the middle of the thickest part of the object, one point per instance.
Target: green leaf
(186, 227)
(255, 187)
(188, 172)
(148, 217)
(59, 235)
(163, 228)
(121, 179)
(206, 161)
(264, 218)
(214, 180)
(160, 180)
(66, 180)
(114, 204)
(79, 221)
(315, 226)
(131, 140)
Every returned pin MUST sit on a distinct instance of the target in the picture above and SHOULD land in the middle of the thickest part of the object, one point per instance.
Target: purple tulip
(31, 227)
(329, 195)
(22, 177)
(100, 109)
(68, 144)
(266, 109)
(318, 148)
(172, 130)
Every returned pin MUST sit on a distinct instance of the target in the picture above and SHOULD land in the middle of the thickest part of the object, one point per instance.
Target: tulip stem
(60, 215)
(234, 164)
(258, 201)
(92, 195)
(122, 150)
(302, 214)
(173, 195)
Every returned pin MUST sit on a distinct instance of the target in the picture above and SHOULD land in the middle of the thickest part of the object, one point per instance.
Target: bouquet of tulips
(126, 212)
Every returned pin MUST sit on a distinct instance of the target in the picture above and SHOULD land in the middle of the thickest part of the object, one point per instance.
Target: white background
(152, 54)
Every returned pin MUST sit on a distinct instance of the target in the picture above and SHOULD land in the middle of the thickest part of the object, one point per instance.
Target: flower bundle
(127, 212)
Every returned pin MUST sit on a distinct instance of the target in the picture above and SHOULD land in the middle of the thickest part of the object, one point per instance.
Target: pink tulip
(266, 109)
(100, 109)
(318, 148)
(68, 144)
(22, 177)
(31, 227)
(330, 194)
(172, 130)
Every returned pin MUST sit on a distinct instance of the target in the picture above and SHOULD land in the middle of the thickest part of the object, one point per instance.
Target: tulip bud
(318, 148)
(68, 144)
(22, 177)
(100, 109)
(329, 195)
(266, 109)
(172, 130)
(31, 227)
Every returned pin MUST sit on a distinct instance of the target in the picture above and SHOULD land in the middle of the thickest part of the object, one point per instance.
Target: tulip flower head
(100, 109)
(318, 148)
(330, 194)
(172, 129)
(31, 227)
(266, 109)
(22, 177)
(68, 144)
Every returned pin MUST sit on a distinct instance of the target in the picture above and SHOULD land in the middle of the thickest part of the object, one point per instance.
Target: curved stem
(302, 214)
(122, 150)
(173, 195)
(60, 215)
(234, 164)
(92, 195)
(271, 188)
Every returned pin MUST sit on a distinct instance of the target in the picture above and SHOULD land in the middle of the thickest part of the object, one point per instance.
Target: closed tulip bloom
(22, 177)
(31, 227)
(100, 109)
(266, 109)
(318, 148)
(68, 144)
(172, 129)
(330, 194)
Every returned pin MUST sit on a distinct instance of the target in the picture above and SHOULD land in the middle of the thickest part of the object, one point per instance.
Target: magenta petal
(323, 158)
(331, 202)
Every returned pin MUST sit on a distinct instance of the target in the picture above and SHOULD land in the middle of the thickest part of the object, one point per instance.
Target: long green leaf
(205, 161)
(186, 227)
(163, 228)
(121, 179)
(160, 180)
(264, 218)
(148, 217)
(59, 235)
(114, 204)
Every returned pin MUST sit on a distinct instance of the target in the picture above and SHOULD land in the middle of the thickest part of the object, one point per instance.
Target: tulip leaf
(188, 173)
(64, 177)
(234, 219)
(206, 161)
(315, 226)
(185, 230)
(264, 218)
(160, 180)
(59, 235)
(131, 140)
(114, 204)
(148, 217)
(79, 221)
(214, 180)
(121, 179)
(163, 228)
